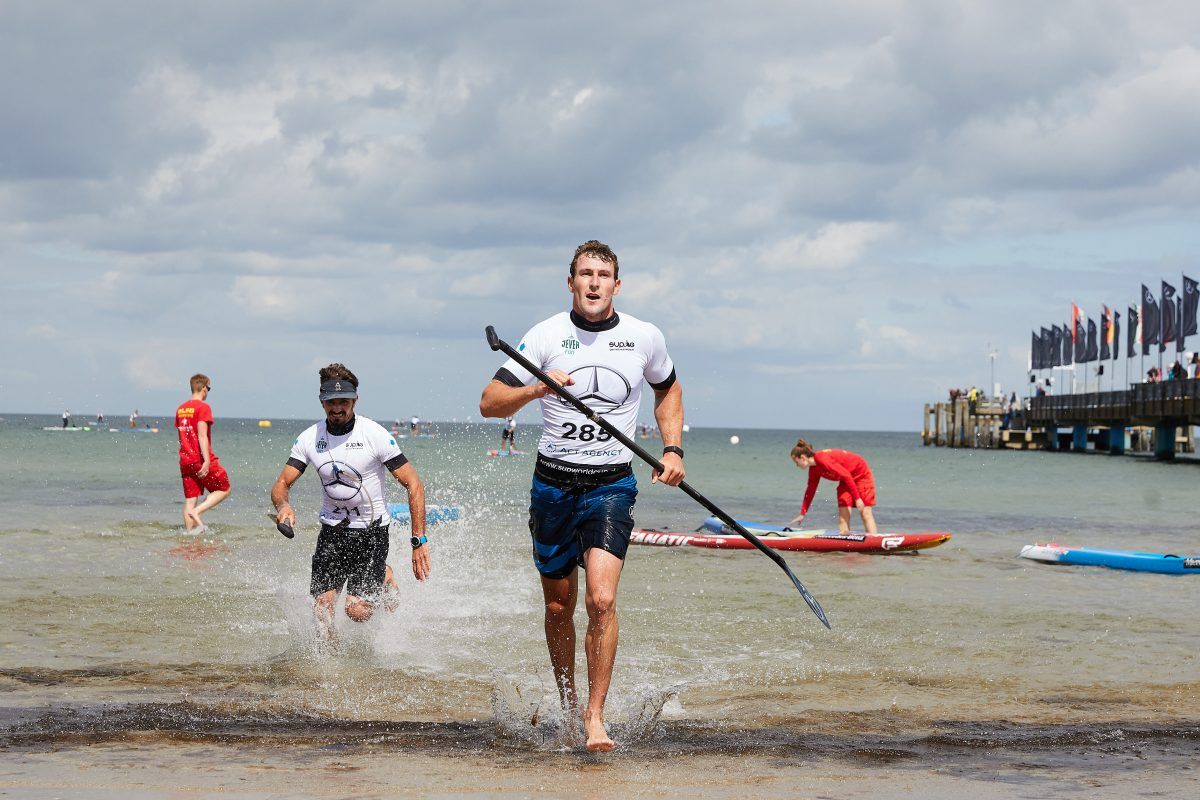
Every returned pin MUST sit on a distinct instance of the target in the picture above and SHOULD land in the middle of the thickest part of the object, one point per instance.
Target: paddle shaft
(496, 343)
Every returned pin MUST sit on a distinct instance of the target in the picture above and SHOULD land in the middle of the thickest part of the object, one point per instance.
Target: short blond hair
(200, 381)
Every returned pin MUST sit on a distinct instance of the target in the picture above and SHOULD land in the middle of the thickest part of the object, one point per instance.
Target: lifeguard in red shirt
(856, 485)
(198, 464)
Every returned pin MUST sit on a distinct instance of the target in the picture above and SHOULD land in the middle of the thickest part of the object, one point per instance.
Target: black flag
(1080, 342)
(1093, 347)
(1149, 320)
(1104, 331)
(1066, 345)
(1168, 310)
(1191, 294)
(1035, 352)
(1116, 335)
(1131, 348)
(1055, 346)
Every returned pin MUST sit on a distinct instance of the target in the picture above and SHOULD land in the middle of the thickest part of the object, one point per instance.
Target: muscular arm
(407, 475)
(501, 400)
(668, 412)
(279, 494)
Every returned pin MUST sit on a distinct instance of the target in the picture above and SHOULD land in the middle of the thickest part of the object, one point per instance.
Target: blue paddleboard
(1116, 559)
(433, 514)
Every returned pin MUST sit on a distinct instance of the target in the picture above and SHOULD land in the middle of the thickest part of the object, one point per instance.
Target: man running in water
(581, 502)
(856, 485)
(508, 436)
(198, 464)
(351, 455)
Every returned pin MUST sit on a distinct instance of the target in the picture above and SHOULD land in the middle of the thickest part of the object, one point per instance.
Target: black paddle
(496, 343)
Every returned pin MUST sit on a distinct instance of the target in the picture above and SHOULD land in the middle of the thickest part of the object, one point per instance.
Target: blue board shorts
(566, 523)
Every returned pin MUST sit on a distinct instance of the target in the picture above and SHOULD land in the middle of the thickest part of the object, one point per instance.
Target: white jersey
(352, 469)
(608, 361)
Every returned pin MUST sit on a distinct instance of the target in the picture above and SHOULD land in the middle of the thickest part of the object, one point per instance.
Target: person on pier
(856, 484)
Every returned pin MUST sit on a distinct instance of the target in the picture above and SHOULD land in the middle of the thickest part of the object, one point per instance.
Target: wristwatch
(673, 449)
(418, 542)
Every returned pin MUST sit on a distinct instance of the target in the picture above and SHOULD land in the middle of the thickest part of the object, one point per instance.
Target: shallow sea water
(137, 659)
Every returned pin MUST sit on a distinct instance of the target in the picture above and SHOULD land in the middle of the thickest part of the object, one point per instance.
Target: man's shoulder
(628, 322)
(310, 433)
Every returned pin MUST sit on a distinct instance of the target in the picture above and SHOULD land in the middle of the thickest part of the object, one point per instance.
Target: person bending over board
(581, 501)
(198, 464)
(351, 455)
(856, 485)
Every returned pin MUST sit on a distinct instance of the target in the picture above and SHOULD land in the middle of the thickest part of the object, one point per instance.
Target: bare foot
(597, 736)
(197, 526)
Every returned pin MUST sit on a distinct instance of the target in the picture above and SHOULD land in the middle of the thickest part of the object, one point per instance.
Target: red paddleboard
(812, 541)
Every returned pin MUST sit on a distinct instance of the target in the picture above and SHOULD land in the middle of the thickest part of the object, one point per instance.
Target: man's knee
(558, 609)
(359, 610)
(601, 601)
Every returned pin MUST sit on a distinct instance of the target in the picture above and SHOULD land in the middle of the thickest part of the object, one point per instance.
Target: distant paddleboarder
(856, 485)
(581, 506)
(351, 456)
(508, 436)
(198, 464)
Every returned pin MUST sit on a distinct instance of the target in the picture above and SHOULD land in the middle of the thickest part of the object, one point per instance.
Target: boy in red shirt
(856, 485)
(198, 464)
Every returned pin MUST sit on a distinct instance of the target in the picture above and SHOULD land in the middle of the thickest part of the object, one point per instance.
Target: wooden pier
(1154, 417)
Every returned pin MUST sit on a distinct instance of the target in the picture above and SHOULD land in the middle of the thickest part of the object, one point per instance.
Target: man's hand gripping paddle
(282, 527)
(496, 343)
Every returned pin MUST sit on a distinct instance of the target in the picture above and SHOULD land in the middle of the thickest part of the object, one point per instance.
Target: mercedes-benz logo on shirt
(340, 481)
(602, 389)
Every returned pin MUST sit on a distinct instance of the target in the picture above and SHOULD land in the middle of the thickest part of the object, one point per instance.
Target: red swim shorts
(217, 479)
(866, 490)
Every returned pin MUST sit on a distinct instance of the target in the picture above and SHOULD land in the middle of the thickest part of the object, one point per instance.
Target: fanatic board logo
(625, 345)
(340, 481)
(571, 344)
(602, 388)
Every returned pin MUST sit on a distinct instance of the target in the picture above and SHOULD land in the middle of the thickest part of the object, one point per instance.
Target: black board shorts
(356, 558)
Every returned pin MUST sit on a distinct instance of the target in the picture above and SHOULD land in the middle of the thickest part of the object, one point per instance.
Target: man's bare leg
(323, 610)
(210, 501)
(359, 609)
(560, 595)
(189, 524)
(843, 519)
(600, 643)
(868, 518)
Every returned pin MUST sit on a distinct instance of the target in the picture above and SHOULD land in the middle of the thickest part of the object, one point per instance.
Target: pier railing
(1142, 403)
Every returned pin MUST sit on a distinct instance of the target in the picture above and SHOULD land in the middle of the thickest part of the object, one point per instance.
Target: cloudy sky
(834, 211)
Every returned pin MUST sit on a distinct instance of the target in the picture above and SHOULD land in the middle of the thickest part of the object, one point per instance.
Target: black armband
(298, 464)
(673, 449)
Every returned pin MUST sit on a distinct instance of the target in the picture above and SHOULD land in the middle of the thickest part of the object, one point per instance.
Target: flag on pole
(1056, 334)
(1092, 352)
(1187, 319)
(1116, 335)
(1066, 345)
(1135, 332)
(1168, 311)
(1105, 333)
(1035, 352)
(1150, 321)
(1080, 339)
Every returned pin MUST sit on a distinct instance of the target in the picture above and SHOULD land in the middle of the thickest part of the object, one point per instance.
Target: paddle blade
(492, 339)
(812, 601)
